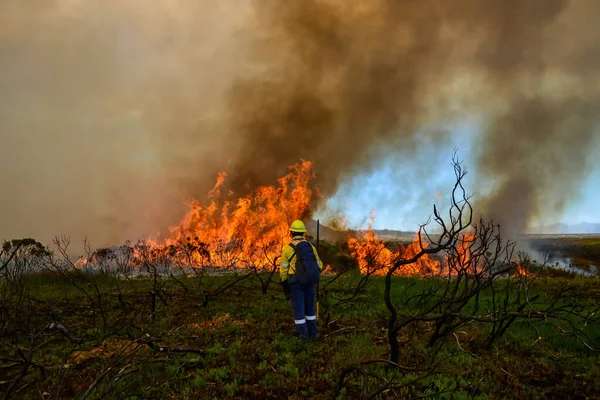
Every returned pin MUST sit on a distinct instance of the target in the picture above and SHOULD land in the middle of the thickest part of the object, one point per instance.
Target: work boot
(301, 331)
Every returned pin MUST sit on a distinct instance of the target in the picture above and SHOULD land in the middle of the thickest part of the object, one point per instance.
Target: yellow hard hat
(297, 226)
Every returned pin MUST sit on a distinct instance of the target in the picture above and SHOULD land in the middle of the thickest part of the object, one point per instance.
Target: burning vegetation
(232, 232)
(342, 88)
(374, 257)
(249, 230)
(129, 335)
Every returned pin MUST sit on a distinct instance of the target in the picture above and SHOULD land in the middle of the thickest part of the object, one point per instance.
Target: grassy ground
(241, 345)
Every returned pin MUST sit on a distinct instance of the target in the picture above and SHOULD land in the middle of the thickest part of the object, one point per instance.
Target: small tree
(460, 217)
(477, 282)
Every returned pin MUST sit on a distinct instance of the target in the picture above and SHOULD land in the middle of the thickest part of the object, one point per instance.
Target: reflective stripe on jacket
(288, 264)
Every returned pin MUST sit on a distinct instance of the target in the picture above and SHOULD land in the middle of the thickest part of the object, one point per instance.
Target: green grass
(250, 350)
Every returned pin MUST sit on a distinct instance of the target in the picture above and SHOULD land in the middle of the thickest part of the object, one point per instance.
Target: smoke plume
(96, 100)
(350, 85)
(112, 114)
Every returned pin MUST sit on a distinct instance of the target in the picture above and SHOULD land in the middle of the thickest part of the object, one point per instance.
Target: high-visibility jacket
(288, 264)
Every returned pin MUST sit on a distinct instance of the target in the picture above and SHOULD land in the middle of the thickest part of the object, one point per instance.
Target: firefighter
(300, 270)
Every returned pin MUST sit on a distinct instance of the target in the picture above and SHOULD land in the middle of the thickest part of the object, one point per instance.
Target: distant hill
(333, 235)
(393, 233)
(565, 229)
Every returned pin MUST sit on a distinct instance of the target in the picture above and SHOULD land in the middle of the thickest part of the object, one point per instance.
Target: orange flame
(462, 257)
(522, 271)
(251, 231)
(375, 258)
(371, 253)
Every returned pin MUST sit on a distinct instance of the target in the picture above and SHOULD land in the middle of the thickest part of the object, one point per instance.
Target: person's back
(300, 269)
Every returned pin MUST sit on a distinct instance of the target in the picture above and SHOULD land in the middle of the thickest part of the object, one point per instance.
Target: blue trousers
(303, 298)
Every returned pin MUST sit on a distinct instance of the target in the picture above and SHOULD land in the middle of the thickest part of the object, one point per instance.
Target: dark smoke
(352, 84)
(540, 142)
(343, 83)
(95, 99)
(539, 150)
(111, 115)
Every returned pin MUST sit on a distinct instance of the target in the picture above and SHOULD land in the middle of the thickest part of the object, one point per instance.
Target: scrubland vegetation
(72, 332)
(460, 315)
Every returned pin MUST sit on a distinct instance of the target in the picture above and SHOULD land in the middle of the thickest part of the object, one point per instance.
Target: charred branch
(58, 327)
